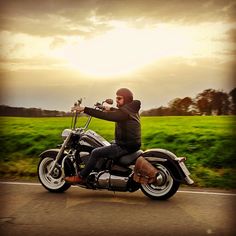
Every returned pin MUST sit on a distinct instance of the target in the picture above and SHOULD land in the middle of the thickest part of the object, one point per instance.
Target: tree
(208, 102)
(174, 106)
(233, 100)
(211, 102)
(180, 106)
(221, 103)
(186, 104)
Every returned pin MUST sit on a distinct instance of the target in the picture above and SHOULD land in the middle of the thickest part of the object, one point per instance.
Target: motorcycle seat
(130, 158)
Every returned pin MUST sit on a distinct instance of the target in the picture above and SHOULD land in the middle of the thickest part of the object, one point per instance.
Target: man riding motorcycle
(127, 131)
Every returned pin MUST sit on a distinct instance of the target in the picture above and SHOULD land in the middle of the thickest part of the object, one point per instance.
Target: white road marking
(20, 183)
(179, 191)
(208, 193)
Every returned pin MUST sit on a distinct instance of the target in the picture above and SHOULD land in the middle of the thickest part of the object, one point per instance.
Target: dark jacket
(127, 129)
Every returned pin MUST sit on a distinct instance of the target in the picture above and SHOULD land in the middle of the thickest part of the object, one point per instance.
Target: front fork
(66, 141)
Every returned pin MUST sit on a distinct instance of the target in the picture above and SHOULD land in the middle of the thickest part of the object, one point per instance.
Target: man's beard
(119, 106)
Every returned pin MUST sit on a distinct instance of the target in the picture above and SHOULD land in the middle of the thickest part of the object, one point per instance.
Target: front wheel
(54, 182)
(164, 190)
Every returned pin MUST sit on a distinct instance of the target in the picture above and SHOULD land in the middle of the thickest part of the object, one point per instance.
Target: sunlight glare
(124, 50)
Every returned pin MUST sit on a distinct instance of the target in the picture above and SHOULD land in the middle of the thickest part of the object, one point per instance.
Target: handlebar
(77, 104)
(96, 106)
(99, 106)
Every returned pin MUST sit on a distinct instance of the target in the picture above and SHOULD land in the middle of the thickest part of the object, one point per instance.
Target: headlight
(65, 133)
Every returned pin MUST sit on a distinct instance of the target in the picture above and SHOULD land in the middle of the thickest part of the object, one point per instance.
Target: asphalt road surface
(28, 209)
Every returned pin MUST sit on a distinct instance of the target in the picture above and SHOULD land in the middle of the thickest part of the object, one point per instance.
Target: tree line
(208, 102)
(30, 112)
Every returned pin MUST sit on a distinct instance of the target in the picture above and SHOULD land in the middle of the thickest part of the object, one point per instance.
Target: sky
(57, 51)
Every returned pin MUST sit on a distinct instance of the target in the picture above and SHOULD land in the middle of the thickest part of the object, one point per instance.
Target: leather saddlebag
(144, 172)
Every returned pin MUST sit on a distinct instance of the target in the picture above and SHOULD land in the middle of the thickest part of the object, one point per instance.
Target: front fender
(50, 153)
(179, 170)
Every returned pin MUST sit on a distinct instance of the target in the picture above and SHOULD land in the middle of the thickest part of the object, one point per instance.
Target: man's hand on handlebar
(106, 108)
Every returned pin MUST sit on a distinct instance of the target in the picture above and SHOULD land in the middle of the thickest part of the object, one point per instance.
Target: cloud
(228, 52)
(231, 35)
(18, 64)
(50, 18)
(173, 10)
(33, 29)
(89, 17)
(57, 42)
(155, 85)
(228, 36)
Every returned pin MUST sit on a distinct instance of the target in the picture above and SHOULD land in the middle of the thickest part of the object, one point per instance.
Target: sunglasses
(119, 98)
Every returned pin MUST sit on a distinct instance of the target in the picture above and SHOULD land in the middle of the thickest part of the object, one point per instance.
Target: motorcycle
(72, 155)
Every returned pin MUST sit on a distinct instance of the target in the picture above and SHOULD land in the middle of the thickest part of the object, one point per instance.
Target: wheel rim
(160, 190)
(53, 181)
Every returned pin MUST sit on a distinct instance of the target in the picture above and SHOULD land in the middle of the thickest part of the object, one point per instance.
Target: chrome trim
(83, 143)
(184, 168)
(106, 181)
(186, 172)
(168, 153)
(118, 181)
(155, 159)
(181, 159)
(60, 153)
(189, 180)
(65, 133)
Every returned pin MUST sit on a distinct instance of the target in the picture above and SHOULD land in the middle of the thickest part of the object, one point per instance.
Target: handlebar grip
(100, 107)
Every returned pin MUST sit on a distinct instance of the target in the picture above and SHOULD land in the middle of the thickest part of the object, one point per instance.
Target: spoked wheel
(165, 186)
(54, 182)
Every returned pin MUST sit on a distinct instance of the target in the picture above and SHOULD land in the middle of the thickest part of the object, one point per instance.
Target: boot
(75, 179)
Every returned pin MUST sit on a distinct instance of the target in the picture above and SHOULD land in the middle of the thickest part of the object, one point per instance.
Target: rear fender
(169, 159)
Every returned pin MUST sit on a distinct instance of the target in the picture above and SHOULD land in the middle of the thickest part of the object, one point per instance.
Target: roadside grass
(206, 141)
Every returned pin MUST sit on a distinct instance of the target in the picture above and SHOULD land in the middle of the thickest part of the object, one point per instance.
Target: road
(28, 209)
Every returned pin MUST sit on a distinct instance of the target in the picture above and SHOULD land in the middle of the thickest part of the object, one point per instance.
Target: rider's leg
(111, 152)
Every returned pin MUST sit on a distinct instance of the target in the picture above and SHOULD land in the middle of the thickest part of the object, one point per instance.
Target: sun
(123, 50)
(115, 53)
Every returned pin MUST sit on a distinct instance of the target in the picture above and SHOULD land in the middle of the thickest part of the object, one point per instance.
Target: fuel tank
(92, 139)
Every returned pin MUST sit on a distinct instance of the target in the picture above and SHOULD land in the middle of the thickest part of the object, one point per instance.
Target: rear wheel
(164, 188)
(54, 182)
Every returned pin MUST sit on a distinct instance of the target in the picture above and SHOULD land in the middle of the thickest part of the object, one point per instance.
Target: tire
(55, 182)
(164, 190)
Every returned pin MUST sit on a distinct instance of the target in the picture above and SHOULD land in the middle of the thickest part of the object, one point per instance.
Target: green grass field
(206, 141)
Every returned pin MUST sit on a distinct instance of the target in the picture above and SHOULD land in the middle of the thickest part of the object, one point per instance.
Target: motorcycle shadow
(84, 196)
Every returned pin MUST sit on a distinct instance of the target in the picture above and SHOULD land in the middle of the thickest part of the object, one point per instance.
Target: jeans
(113, 152)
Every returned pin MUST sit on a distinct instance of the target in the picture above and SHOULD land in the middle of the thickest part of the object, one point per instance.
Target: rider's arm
(116, 115)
